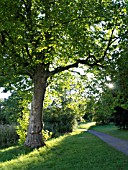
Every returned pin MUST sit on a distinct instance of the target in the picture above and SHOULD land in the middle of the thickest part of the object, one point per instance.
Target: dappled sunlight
(19, 156)
(13, 152)
(46, 155)
(8, 149)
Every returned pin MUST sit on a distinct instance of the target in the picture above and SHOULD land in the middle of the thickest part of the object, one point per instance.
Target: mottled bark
(34, 136)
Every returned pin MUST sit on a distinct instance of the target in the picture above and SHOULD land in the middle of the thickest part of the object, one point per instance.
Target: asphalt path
(119, 144)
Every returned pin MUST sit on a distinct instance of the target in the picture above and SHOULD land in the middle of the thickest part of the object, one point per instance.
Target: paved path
(119, 144)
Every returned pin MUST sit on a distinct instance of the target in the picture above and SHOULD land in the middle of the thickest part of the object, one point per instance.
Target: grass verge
(111, 130)
(79, 150)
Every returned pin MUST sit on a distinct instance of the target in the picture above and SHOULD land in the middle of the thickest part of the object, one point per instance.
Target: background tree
(42, 38)
(64, 103)
(11, 109)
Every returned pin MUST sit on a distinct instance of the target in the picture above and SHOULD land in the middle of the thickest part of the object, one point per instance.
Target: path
(119, 144)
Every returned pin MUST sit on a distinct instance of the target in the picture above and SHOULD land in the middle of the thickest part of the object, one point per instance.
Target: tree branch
(68, 21)
(27, 50)
(109, 43)
(89, 61)
(60, 69)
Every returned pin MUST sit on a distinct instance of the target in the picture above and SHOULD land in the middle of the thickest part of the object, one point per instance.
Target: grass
(79, 150)
(111, 130)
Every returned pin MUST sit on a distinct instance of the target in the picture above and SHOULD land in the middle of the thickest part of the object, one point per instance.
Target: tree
(11, 109)
(66, 91)
(42, 38)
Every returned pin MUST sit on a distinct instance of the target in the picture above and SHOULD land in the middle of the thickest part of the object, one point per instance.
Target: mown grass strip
(76, 151)
(111, 130)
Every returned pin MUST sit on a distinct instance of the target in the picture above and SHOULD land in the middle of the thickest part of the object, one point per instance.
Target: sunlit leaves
(60, 31)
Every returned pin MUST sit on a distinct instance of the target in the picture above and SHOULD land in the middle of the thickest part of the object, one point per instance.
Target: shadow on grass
(6, 154)
(52, 155)
(76, 151)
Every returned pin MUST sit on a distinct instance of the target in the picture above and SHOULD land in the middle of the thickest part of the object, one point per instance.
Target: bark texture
(34, 136)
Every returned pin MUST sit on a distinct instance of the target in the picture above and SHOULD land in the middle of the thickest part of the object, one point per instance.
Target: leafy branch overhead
(54, 38)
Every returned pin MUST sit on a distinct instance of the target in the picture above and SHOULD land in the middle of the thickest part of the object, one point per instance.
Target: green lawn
(76, 151)
(111, 130)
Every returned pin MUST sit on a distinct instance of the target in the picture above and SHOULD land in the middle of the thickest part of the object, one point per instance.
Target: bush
(101, 119)
(23, 126)
(46, 134)
(8, 135)
(121, 117)
(59, 121)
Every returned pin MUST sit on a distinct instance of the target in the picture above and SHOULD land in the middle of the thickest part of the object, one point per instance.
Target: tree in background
(42, 38)
(11, 109)
(64, 103)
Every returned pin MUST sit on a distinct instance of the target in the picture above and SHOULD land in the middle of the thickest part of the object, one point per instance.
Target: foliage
(46, 135)
(101, 98)
(41, 33)
(64, 105)
(23, 121)
(104, 108)
(11, 109)
(8, 135)
(121, 82)
(66, 90)
(59, 120)
(121, 117)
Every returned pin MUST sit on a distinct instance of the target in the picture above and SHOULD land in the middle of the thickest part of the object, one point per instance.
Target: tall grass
(79, 150)
(8, 135)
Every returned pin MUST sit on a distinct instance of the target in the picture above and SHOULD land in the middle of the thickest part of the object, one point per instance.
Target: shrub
(23, 126)
(8, 135)
(101, 118)
(59, 121)
(121, 117)
(46, 134)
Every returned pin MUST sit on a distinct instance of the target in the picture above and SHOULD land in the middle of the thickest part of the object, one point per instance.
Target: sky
(4, 95)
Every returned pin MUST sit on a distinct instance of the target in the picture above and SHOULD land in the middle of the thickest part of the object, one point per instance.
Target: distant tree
(11, 109)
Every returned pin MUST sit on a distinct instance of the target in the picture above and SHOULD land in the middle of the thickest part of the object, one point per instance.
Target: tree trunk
(34, 135)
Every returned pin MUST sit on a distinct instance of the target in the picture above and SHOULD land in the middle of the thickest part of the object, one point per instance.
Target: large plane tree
(41, 38)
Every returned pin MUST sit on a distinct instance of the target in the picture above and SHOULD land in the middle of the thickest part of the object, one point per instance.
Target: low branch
(60, 69)
(79, 61)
